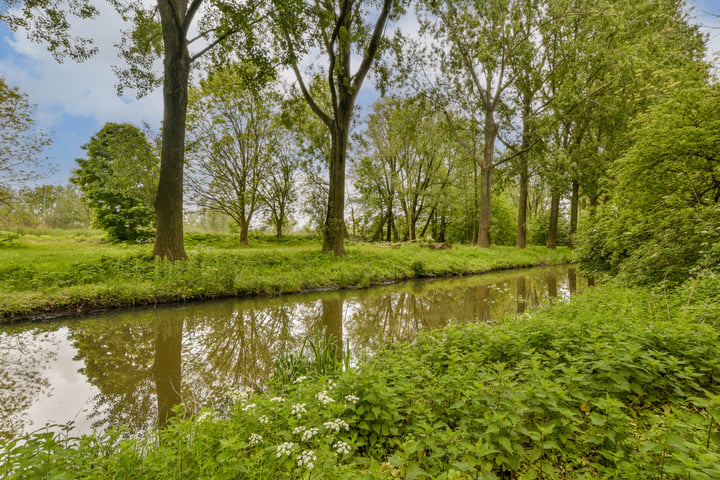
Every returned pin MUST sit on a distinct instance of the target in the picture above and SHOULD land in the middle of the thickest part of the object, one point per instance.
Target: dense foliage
(662, 221)
(618, 383)
(119, 181)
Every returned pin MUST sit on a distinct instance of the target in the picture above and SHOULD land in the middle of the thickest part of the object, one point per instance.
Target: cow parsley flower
(264, 419)
(336, 425)
(342, 448)
(298, 409)
(300, 379)
(324, 397)
(240, 395)
(255, 439)
(307, 458)
(284, 449)
(308, 434)
(351, 398)
(277, 399)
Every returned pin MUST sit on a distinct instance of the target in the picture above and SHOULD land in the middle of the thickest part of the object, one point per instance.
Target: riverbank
(617, 383)
(50, 276)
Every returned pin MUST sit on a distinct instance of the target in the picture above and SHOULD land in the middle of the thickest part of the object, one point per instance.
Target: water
(129, 367)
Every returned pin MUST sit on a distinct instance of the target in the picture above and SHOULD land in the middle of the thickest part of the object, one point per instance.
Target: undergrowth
(618, 383)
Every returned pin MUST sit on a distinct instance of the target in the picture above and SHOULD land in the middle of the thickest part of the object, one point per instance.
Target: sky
(74, 100)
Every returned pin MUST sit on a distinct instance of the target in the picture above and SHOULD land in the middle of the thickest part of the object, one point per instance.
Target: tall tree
(410, 167)
(234, 137)
(338, 29)
(475, 42)
(164, 30)
(167, 31)
(278, 191)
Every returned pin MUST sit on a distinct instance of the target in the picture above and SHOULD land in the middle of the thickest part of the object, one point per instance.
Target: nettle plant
(293, 434)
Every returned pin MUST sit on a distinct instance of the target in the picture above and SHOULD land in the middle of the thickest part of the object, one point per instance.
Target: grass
(618, 383)
(75, 272)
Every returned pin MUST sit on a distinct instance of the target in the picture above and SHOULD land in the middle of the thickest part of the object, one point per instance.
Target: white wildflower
(299, 429)
(300, 379)
(307, 458)
(324, 397)
(308, 434)
(284, 449)
(249, 406)
(342, 448)
(240, 395)
(298, 409)
(264, 419)
(336, 425)
(331, 384)
(255, 439)
(351, 398)
(277, 399)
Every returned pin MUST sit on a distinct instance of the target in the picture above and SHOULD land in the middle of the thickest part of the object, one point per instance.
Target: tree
(311, 140)
(338, 29)
(410, 166)
(475, 42)
(608, 66)
(119, 180)
(21, 142)
(234, 137)
(278, 191)
(163, 31)
(169, 37)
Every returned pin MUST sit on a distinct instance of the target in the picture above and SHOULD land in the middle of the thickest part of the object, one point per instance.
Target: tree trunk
(521, 238)
(486, 169)
(334, 221)
(390, 222)
(572, 280)
(443, 228)
(574, 201)
(552, 285)
(332, 317)
(169, 201)
(244, 230)
(167, 367)
(554, 214)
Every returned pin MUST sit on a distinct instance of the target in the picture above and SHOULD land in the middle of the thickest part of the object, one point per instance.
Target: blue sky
(75, 100)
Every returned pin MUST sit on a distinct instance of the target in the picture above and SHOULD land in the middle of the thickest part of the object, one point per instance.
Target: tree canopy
(119, 180)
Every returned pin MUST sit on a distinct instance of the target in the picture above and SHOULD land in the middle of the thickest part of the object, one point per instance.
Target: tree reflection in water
(25, 354)
(145, 361)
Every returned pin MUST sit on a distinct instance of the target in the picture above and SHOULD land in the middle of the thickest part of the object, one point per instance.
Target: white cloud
(77, 89)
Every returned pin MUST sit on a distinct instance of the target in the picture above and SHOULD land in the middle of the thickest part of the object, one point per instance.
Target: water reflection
(131, 367)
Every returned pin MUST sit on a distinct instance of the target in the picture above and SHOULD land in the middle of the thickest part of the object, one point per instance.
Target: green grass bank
(618, 383)
(61, 274)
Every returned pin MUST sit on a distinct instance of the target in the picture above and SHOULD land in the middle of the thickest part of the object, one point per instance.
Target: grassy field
(72, 272)
(618, 383)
